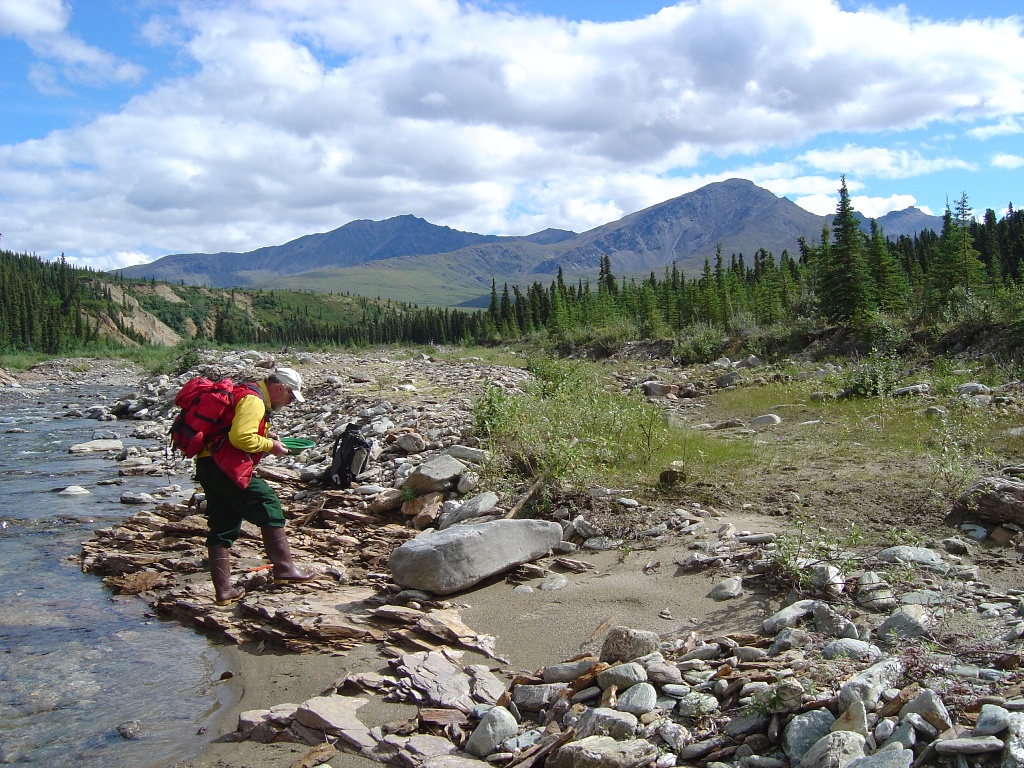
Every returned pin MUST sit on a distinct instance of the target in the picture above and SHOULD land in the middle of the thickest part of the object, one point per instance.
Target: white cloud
(874, 207)
(1008, 126)
(820, 204)
(42, 25)
(884, 162)
(1010, 162)
(299, 116)
(28, 18)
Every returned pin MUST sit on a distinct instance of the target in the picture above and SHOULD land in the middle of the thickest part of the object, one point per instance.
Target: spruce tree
(846, 290)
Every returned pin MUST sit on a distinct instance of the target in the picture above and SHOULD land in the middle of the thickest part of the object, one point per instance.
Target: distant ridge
(405, 255)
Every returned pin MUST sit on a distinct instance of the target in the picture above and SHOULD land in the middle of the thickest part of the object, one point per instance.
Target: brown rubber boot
(275, 542)
(220, 570)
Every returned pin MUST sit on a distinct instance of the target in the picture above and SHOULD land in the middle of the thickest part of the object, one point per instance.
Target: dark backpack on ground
(349, 458)
(207, 408)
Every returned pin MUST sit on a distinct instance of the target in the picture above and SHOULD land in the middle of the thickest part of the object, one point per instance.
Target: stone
(534, 698)
(638, 699)
(804, 731)
(890, 758)
(868, 685)
(854, 718)
(788, 616)
(459, 557)
(625, 644)
(968, 746)
(695, 704)
(603, 752)
(727, 589)
(992, 719)
(97, 446)
(438, 474)
(494, 728)
(74, 490)
(567, 671)
(481, 504)
(837, 748)
(854, 649)
(602, 721)
(622, 676)
(336, 715)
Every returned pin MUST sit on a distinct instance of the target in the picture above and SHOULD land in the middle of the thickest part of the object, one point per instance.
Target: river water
(76, 661)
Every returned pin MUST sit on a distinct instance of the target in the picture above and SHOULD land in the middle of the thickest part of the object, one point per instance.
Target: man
(234, 493)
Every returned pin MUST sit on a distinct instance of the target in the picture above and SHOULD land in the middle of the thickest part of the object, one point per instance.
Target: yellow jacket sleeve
(244, 432)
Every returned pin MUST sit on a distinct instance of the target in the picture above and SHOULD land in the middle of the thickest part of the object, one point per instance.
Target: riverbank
(661, 582)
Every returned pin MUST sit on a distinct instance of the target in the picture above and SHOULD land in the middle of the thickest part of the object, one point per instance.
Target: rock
(788, 616)
(854, 718)
(625, 644)
(603, 752)
(914, 555)
(74, 490)
(622, 676)
(336, 715)
(868, 685)
(465, 453)
(534, 698)
(130, 730)
(481, 504)
(854, 649)
(459, 557)
(411, 442)
(638, 699)
(696, 704)
(495, 727)
(97, 446)
(901, 625)
(804, 731)
(992, 719)
(836, 748)
(439, 474)
(606, 722)
(658, 388)
(913, 389)
(889, 758)
(567, 671)
(131, 497)
(728, 589)
(969, 746)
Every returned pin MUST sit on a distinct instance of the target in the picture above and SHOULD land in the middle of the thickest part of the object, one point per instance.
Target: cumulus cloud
(30, 18)
(299, 116)
(1010, 162)
(1008, 126)
(884, 162)
(42, 25)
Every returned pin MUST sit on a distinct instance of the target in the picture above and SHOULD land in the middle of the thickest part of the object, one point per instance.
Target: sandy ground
(532, 630)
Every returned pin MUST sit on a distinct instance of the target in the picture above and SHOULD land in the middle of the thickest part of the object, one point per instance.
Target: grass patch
(573, 427)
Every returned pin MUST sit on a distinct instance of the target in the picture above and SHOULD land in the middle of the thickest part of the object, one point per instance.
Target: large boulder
(456, 558)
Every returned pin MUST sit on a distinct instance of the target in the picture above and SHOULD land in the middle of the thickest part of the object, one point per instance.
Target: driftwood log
(997, 500)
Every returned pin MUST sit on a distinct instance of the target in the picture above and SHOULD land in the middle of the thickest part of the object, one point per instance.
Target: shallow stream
(76, 661)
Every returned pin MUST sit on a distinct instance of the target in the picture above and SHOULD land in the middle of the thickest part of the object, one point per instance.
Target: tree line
(849, 276)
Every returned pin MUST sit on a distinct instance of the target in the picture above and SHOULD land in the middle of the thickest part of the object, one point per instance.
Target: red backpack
(207, 408)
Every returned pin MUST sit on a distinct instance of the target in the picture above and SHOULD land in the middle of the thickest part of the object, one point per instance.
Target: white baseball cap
(291, 379)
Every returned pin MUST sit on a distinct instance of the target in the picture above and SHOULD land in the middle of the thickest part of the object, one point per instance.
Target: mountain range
(409, 259)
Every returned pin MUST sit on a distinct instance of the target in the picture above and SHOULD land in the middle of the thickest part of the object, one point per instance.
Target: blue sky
(136, 128)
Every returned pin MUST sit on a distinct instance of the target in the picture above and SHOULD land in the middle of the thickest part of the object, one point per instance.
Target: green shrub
(879, 375)
(699, 343)
(568, 426)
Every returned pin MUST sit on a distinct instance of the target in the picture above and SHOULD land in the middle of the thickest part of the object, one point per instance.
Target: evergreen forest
(972, 272)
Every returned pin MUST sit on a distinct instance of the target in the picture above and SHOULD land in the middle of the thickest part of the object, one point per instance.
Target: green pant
(227, 505)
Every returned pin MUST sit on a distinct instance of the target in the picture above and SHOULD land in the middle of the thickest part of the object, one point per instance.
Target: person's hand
(271, 434)
(279, 448)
